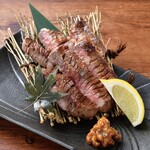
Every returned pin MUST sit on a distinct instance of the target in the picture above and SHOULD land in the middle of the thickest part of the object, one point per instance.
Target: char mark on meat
(51, 39)
(35, 50)
(95, 63)
(75, 103)
(89, 85)
(80, 31)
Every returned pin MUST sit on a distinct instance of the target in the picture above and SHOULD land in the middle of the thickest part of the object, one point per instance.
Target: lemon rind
(130, 88)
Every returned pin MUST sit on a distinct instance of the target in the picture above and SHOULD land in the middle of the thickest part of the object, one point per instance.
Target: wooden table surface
(124, 20)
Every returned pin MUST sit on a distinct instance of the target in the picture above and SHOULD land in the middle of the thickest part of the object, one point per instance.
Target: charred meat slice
(35, 50)
(91, 57)
(51, 39)
(75, 103)
(80, 31)
(89, 85)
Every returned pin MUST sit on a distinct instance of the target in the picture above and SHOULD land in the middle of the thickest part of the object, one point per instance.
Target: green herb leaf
(40, 91)
(40, 20)
(51, 96)
(30, 89)
(30, 99)
(51, 79)
(39, 80)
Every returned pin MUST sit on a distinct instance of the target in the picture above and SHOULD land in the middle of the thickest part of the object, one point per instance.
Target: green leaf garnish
(39, 80)
(30, 98)
(30, 89)
(41, 21)
(53, 95)
(41, 88)
(51, 79)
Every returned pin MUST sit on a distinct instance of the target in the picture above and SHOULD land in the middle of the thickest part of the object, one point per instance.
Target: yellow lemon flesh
(127, 98)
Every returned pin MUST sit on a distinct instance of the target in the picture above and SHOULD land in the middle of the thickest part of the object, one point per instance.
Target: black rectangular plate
(12, 94)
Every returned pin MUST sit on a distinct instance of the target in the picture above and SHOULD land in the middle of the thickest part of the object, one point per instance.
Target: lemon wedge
(127, 98)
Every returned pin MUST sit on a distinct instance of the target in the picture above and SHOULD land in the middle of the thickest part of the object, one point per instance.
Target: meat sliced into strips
(95, 63)
(80, 31)
(81, 62)
(89, 85)
(75, 103)
(51, 39)
(35, 50)
(90, 49)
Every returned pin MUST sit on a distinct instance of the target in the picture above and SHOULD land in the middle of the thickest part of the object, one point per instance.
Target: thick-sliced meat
(35, 50)
(80, 31)
(89, 85)
(95, 63)
(75, 103)
(51, 39)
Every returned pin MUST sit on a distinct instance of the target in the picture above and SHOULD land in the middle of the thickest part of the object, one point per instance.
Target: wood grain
(123, 21)
(14, 137)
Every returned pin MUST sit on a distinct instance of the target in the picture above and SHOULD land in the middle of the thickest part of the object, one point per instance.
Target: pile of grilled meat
(81, 60)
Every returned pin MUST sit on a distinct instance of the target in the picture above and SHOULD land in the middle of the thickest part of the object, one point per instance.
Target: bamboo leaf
(40, 20)
(30, 89)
